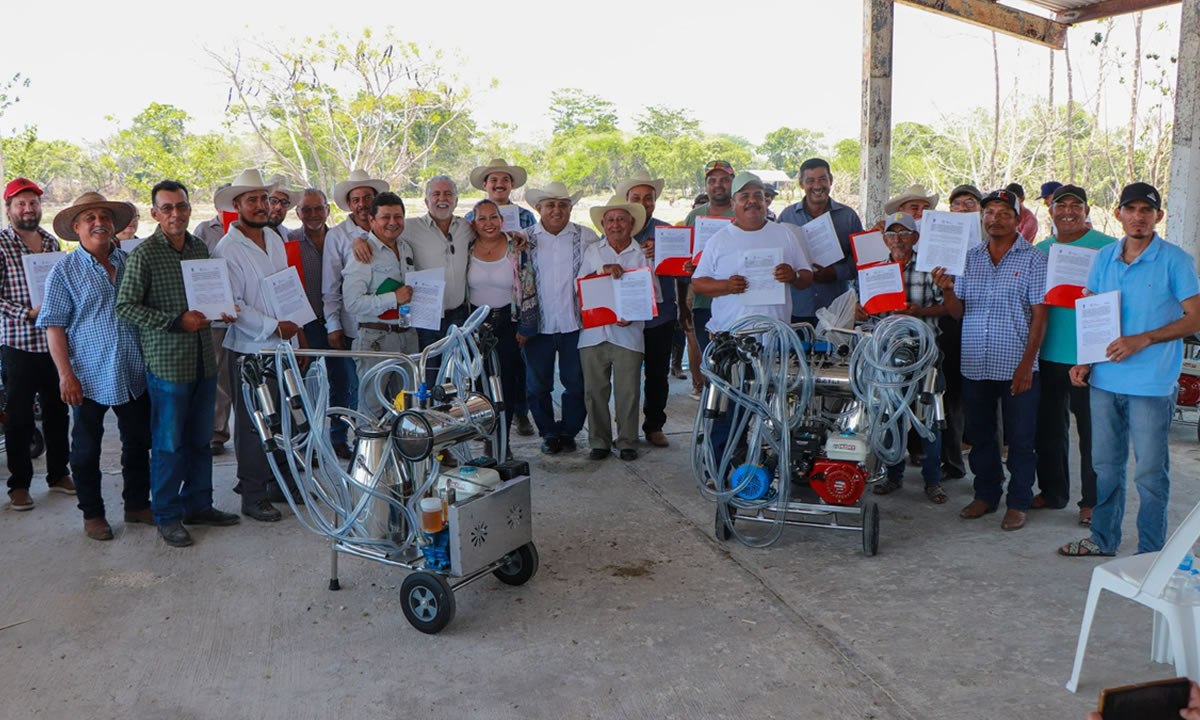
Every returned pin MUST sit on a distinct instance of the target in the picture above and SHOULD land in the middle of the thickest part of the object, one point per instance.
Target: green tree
(593, 162)
(787, 147)
(667, 123)
(56, 165)
(573, 110)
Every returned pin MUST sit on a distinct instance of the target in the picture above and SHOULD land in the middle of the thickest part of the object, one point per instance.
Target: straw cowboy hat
(553, 191)
(640, 178)
(280, 183)
(617, 202)
(249, 180)
(358, 178)
(64, 221)
(516, 172)
(914, 192)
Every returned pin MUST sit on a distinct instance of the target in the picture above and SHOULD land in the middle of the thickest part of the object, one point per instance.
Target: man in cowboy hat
(829, 282)
(252, 251)
(280, 201)
(914, 201)
(657, 333)
(556, 248)
(28, 369)
(498, 179)
(353, 195)
(98, 359)
(611, 355)
(181, 368)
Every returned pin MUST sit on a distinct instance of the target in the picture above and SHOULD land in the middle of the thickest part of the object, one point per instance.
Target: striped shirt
(16, 329)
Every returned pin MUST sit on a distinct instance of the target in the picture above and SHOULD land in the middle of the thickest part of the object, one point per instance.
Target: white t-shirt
(595, 257)
(722, 257)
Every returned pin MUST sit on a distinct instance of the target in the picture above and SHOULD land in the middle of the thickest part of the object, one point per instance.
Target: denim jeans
(181, 417)
(931, 463)
(700, 317)
(1020, 427)
(338, 370)
(1147, 421)
(133, 423)
(540, 353)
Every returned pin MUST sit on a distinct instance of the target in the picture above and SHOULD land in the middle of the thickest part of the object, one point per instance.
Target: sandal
(886, 487)
(1085, 517)
(1083, 548)
(936, 494)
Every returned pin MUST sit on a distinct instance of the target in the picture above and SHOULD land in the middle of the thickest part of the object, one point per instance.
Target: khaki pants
(404, 343)
(610, 369)
(220, 433)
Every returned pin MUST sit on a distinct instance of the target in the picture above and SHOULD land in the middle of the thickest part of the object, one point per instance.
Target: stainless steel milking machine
(397, 503)
(793, 427)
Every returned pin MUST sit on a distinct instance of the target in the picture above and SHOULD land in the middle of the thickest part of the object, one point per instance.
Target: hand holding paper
(1098, 329)
(945, 239)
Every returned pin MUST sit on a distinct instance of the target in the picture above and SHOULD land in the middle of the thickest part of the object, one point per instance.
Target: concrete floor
(637, 612)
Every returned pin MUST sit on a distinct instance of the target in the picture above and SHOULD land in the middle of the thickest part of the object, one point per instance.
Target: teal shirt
(1059, 343)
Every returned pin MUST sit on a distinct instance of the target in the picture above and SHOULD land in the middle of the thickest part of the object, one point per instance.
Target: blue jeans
(700, 318)
(181, 418)
(1147, 420)
(1020, 428)
(87, 433)
(540, 352)
(931, 465)
(339, 371)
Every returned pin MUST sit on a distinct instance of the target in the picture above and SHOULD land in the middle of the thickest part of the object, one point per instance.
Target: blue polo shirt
(845, 223)
(1152, 288)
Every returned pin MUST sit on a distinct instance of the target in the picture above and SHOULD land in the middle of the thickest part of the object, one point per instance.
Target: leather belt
(383, 327)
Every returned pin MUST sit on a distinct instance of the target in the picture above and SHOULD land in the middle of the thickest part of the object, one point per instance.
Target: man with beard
(28, 368)
(252, 252)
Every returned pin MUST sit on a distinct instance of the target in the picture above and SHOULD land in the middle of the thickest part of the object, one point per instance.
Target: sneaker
(20, 500)
(695, 393)
(175, 534)
(211, 516)
(97, 528)
(63, 485)
(262, 511)
(524, 427)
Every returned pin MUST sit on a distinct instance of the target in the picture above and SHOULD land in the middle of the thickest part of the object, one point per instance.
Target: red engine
(1189, 391)
(838, 482)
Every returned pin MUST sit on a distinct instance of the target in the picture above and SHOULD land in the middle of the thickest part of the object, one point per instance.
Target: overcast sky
(742, 68)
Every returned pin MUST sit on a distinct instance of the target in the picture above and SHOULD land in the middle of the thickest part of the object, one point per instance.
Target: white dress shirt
(722, 259)
(339, 250)
(431, 248)
(554, 262)
(248, 266)
(361, 281)
(595, 257)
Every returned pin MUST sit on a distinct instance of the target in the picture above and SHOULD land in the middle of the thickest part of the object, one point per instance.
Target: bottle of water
(404, 316)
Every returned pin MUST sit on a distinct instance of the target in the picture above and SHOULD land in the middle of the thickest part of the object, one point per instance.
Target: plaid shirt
(16, 329)
(151, 297)
(997, 309)
(103, 349)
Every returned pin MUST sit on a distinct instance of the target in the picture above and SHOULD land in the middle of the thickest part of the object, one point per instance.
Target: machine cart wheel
(870, 528)
(519, 565)
(428, 602)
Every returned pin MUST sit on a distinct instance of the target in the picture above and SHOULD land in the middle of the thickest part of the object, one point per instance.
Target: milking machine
(793, 427)
(398, 502)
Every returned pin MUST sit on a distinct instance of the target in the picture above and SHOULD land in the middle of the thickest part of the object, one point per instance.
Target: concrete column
(1183, 198)
(876, 134)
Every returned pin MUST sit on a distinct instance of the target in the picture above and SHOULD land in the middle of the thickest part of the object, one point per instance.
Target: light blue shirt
(1152, 288)
(103, 349)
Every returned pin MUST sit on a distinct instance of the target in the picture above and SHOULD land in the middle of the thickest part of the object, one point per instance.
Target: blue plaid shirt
(104, 350)
(998, 305)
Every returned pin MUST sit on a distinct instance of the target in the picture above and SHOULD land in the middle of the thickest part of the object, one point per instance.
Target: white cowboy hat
(280, 183)
(914, 192)
(641, 177)
(553, 191)
(617, 202)
(249, 180)
(358, 178)
(516, 172)
(64, 221)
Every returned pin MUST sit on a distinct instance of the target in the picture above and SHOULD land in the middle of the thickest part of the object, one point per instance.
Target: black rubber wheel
(428, 602)
(870, 528)
(724, 530)
(37, 444)
(520, 565)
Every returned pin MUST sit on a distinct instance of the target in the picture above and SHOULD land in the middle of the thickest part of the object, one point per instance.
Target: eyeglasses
(903, 234)
(177, 207)
(969, 203)
(276, 201)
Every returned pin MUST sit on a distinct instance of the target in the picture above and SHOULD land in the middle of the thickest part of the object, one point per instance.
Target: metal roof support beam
(876, 120)
(1183, 199)
(992, 15)
(1108, 8)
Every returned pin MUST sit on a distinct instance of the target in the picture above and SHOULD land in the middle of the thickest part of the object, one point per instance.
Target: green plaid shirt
(151, 297)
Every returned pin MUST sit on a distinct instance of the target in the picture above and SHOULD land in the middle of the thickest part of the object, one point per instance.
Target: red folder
(674, 266)
(1064, 295)
(596, 309)
(887, 302)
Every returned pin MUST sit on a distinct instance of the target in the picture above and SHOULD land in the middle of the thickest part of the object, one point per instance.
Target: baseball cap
(900, 218)
(743, 179)
(20, 185)
(1007, 197)
(1070, 191)
(1141, 191)
(1049, 188)
(966, 190)
(1016, 189)
(770, 190)
(717, 166)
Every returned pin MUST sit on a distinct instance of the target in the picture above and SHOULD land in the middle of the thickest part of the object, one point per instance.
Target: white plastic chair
(1143, 579)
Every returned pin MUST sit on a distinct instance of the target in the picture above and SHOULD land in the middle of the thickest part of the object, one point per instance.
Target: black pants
(253, 470)
(512, 365)
(657, 388)
(950, 343)
(425, 338)
(1054, 437)
(27, 374)
(133, 423)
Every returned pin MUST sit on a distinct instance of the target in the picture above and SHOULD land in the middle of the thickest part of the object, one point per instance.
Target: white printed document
(206, 285)
(945, 239)
(131, 244)
(633, 294)
(869, 248)
(429, 290)
(758, 267)
(672, 248)
(285, 297)
(1097, 325)
(881, 288)
(706, 227)
(1067, 271)
(37, 267)
(511, 215)
(821, 241)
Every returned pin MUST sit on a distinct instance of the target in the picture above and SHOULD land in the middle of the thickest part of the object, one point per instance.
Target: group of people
(174, 378)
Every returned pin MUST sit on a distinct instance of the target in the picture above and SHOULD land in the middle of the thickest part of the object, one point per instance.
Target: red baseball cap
(20, 185)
